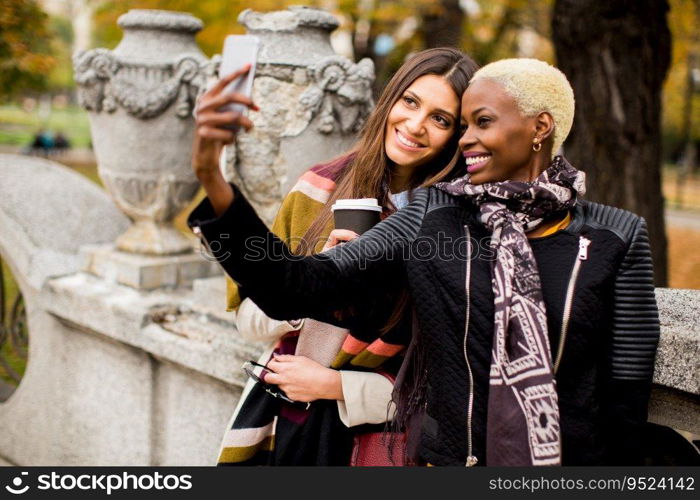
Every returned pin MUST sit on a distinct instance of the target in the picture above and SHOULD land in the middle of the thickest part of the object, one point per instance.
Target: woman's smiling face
(497, 142)
(421, 122)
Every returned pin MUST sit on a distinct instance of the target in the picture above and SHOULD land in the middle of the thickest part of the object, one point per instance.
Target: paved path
(71, 156)
(683, 218)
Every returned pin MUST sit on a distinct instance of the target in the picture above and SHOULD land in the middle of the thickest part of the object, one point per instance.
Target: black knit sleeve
(635, 336)
(357, 276)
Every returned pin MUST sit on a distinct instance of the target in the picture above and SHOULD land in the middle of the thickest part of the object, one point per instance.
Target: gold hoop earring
(536, 145)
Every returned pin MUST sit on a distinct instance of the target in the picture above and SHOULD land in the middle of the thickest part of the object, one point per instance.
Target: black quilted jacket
(602, 314)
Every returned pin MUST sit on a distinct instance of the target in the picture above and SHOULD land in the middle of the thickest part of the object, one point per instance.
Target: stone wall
(675, 398)
(116, 375)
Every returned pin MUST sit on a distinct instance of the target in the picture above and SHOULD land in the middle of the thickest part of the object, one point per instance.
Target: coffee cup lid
(357, 204)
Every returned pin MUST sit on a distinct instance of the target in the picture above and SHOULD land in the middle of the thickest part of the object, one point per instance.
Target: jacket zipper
(198, 232)
(583, 244)
(471, 459)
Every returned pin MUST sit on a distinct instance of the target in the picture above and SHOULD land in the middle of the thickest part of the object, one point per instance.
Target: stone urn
(140, 97)
(312, 104)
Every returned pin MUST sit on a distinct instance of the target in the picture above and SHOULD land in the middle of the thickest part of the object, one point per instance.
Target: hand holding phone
(239, 50)
(219, 113)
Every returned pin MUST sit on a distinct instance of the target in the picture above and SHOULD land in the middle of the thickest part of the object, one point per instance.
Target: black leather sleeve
(635, 336)
(635, 317)
(386, 245)
(357, 277)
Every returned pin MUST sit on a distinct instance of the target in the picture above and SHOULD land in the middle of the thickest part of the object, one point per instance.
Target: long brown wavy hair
(368, 170)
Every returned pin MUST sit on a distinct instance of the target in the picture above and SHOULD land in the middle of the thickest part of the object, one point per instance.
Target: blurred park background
(39, 113)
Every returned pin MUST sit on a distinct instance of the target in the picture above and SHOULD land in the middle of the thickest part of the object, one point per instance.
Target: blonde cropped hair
(536, 87)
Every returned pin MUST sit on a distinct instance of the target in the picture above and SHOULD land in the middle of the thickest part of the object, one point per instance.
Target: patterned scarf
(523, 412)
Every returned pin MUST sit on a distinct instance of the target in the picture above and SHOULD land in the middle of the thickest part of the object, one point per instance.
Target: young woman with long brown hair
(409, 140)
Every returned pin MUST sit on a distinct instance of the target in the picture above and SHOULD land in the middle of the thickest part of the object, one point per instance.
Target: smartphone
(239, 50)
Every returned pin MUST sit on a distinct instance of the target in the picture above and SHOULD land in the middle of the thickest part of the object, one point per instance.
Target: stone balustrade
(675, 398)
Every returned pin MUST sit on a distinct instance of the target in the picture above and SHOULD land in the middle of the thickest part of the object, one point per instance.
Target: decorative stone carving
(312, 102)
(140, 99)
(91, 71)
(340, 94)
(145, 92)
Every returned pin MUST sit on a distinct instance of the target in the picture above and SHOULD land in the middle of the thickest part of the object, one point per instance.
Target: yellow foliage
(493, 30)
(25, 55)
(220, 17)
(683, 21)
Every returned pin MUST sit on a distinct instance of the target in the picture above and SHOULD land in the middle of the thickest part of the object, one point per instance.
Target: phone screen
(239, 50)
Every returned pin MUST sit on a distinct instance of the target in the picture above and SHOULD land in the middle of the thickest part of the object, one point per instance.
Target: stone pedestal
(146, 272)
(209, 295)
(138, 377)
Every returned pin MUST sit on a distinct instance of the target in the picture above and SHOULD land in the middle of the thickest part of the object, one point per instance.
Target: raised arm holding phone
(211, 135)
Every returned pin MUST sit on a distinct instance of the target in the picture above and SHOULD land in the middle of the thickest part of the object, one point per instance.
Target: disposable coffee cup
(357, 215)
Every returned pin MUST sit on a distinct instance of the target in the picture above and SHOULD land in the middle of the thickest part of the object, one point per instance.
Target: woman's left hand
(339, 236)
(303, 379)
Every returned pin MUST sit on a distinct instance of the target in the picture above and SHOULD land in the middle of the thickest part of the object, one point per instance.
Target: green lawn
(17, 127)
(17, 363)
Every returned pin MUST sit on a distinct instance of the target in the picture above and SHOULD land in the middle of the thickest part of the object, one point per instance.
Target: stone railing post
(140, 98)
(675, 398)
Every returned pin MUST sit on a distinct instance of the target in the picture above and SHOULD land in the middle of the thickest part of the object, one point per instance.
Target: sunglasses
(272, 390)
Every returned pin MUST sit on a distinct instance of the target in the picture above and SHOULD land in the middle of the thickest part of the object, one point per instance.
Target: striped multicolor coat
(259, 424)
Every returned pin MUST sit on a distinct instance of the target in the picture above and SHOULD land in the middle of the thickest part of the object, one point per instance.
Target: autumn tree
(497, 29)
(219, 19)
(364, 20)
(681, 100)
(25, 56)
(616, 55)
(442, 24)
